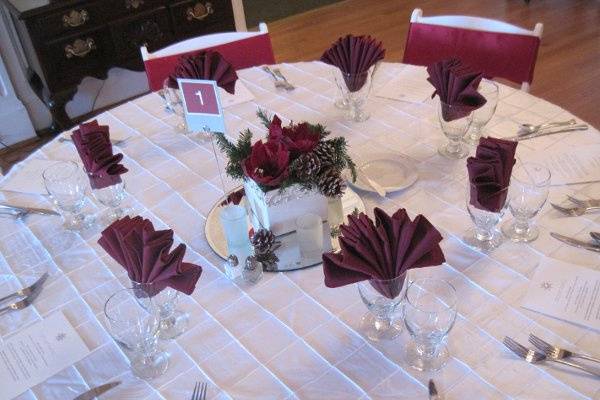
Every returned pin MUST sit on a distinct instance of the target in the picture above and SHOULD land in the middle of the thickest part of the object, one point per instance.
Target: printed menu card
(567, 292)
(36, 353)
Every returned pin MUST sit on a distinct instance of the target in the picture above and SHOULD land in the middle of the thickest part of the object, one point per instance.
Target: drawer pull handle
(75, 18)
(80, 48)
(199, 11)
(135, 4)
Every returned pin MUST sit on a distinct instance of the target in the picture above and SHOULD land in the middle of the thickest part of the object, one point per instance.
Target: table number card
(565, 291)
(36, 353)
(202, 105)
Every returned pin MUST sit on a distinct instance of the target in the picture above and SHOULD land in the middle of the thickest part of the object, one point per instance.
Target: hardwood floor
(567, 71)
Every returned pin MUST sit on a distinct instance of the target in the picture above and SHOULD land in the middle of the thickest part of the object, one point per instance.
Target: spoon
(595, 236)
(529, 129)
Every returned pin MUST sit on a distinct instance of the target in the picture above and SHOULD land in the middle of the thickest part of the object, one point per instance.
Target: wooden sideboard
(67, 40)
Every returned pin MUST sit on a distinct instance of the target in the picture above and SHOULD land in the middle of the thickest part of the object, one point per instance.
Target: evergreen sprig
(236, 153)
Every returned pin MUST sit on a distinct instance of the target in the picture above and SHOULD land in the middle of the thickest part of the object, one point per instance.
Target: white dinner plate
(393, 173)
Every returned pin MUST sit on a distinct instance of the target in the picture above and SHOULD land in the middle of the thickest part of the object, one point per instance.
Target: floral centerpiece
(296, 163)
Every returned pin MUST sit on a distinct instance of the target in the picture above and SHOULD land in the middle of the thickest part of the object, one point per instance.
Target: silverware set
(97, 391)
(279, 79)
(580, 208)
(20, 212)
(591, 246)
(528, 131)
(548, 352)
(200, 390)
(26, 296)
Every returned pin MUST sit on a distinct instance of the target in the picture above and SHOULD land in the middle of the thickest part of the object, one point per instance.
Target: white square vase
(277, 211)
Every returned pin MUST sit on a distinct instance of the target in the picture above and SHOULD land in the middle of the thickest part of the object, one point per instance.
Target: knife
(97, 391)
(28, 210)
(575, 242)
(433, 393)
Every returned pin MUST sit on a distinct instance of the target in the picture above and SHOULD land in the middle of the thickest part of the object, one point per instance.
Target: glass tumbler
(66, 185)
(355, 90)
(482, 115)
(429, 315)
(382, 298)
(454, 122)
(132, 322)
(484, 236)
(527, 194)
(111, 197)
(172, 322)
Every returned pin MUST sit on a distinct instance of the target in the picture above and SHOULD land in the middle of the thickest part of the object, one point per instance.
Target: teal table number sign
(202, 105)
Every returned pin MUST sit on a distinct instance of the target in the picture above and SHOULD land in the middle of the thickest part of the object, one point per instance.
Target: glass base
(447, 152)
(472, 140)
(375, 330)
(110, 215)
(416, 360)
(516, 234)
(490, 244)
(357, 115)
(173, 326)
(150, 367)
(78, 223)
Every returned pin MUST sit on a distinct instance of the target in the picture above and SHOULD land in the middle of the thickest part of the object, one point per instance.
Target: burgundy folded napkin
(145, 254)
(354, 55)
(456, 85)
(489, 173)
(382, 250)
(209, 65)
(92, 142)
(234, 197)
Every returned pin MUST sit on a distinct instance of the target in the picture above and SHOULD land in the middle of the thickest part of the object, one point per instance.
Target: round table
(289, 336)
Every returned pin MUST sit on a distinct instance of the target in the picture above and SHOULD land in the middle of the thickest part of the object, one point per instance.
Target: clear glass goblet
(173, 322)
(66, 185)
(484, 235)
(111, 197)
(174, 105)
(429, 315)
(356, 89)
(527, 195)
(341, 100)
(482, 115)
(382, 298)
(132, 322)
(454, 122)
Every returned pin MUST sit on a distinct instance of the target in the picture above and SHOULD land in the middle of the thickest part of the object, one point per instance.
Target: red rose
(299, 139)
(268, 163)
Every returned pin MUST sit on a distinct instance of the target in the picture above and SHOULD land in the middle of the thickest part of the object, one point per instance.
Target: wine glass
(355, 89)
(429, 315)
(66, 185)
(484, 235)
(382, 298)
(132, 322)
(454, 121)
(482, 115)
(111, 197)
(527, 194)
(174, 105)
(172, 322)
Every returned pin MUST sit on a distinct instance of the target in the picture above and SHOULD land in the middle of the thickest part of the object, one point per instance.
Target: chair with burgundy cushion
(241, 49)
(498, 49)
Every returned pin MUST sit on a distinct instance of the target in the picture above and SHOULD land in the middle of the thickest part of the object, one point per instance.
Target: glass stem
(428, 349)
(453, 146)
(521, 225)
(483, 235)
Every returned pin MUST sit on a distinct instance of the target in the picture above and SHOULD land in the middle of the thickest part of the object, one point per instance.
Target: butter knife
(575, 242)
(433, 393)
(28, 210)
(97, 391)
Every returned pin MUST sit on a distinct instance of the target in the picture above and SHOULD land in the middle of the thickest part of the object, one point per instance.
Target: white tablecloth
(289, 336)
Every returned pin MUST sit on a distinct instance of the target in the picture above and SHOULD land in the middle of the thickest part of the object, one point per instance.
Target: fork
(279, 84)
(282, 77)
(200, 390)
(115, 142)
(575, 211)
(28, 290)
(21, 304)
(556, 352)
(534, 357)
(584, 203)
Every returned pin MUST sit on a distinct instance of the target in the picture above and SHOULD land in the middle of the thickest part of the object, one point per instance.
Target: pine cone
(263, 241)
(326, 153)
(306, 167)
(331, 184)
